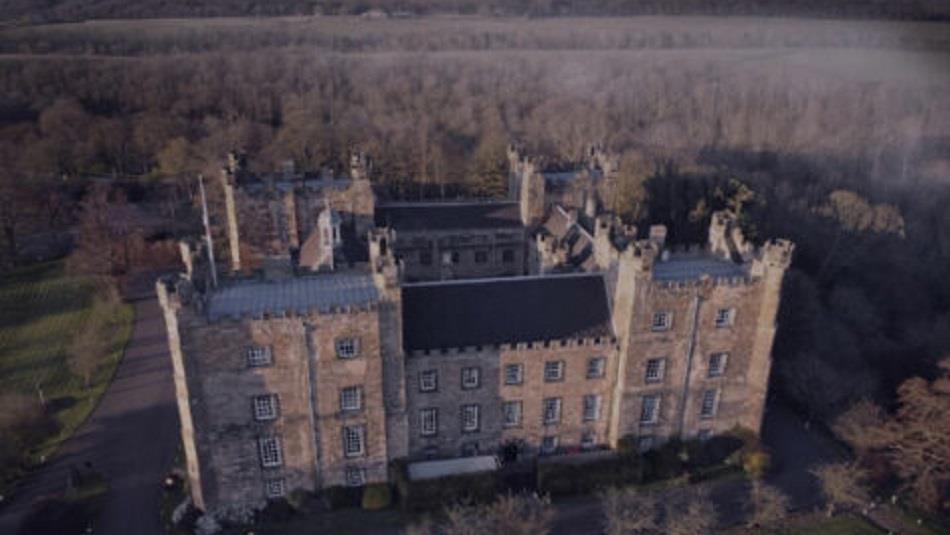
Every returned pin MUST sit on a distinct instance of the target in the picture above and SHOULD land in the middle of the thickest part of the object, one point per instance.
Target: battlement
(536, 346)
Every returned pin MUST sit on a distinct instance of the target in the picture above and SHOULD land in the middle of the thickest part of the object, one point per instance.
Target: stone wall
(492, 393)
(331, 374)
(414, 248)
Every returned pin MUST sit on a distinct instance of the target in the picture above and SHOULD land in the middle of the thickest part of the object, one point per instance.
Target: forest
(27, 11)
(834, 134)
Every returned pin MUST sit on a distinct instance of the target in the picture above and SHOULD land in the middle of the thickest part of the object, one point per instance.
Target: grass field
(41, 309)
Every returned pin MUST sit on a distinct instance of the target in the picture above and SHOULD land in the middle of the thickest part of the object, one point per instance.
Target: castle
(352, 332)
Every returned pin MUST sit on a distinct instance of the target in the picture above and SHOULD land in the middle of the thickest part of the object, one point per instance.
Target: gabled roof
(448, 215)
(505, 310)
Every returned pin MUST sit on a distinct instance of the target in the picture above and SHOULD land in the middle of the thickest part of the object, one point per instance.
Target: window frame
(435, 383)
(270, 450)
(601, 371)
(645, 443)
(504, 413)
(360, 431)
(360, 476)
(712, 405)
(552, 448)
(477, 374)
(666, 325)
(720, 370)
(280, 484)
(359, 398)
(560, 371)
(476, 408)
(729, 320)
(661, 371)
(423, 413)
(273, 402)
(596, 399)
(481, 257)
(259, 356)
(654, 418)
(557, 404)
(518, 366)
(507, 256)
(339, 346)
(425, 258)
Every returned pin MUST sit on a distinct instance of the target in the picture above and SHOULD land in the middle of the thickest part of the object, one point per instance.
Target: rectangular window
(704, 434)
(552, 410)
(514, 374)
(662, 321)
(708, 409)
(549, 444)
(265, 407)
(481, 257)
(428, 422)
(428, 381)
(425, 258)
(650, 409)
(351, 398)
(456, 257)
(717, 364)
(591, 407)
(596, 367)
(553, 371)
(353, 438)
(347, 348)
(355, 476)
(270, 451)
(512, 413)
(656, 369)
(645, 443)
(470, 378)
(470, 418)
(588, 439)
(258, 356)
(508, 256)
(724, 317)
(275, 488)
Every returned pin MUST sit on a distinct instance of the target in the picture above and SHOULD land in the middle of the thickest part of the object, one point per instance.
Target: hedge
(561, 479)
(431, 494)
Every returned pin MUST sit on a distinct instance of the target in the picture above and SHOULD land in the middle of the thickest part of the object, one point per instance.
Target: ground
(43, 308)
(130, 438)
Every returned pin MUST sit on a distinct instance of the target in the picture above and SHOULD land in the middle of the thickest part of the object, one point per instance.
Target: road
(131, 437)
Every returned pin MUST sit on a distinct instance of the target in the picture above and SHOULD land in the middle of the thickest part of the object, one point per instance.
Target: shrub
(376, 496)
(756, 463)
(278, 511)
(558, 479)
(430, 494)
(342, 497)
(664, 462)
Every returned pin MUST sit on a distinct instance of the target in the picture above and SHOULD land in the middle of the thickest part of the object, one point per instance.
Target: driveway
(131, 437)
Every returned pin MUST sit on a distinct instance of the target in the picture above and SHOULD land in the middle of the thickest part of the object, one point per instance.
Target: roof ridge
(517, 278)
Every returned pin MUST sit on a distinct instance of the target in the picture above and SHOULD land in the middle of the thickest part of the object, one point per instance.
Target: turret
(726, 238)
(385, 267)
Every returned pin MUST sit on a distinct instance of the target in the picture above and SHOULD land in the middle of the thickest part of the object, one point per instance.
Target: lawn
(41, 310)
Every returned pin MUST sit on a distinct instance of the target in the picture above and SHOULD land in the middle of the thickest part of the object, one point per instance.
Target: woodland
(833, 133)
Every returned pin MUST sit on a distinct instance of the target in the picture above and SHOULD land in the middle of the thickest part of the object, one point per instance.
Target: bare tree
(694, 515)
(522, 514)
(629, 511)
(767, 504)
(842, 486)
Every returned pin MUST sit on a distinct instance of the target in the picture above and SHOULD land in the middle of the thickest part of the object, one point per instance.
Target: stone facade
(679, 347)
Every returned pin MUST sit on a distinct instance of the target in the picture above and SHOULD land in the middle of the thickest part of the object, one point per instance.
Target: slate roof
(448, 216)
(300, 294)
(504, 310)
(687, 267)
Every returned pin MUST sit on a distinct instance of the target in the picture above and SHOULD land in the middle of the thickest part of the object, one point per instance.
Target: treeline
(27, 11)
(431, 35)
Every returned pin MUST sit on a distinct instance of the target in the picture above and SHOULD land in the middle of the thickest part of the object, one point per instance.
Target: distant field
(353, 34)
(41, 309)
